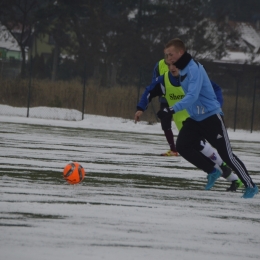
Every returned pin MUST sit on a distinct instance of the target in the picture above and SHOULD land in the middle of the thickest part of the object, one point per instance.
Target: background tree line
(111, 40)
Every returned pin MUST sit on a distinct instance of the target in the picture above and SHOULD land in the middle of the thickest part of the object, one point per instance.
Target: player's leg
(166, 125)
(206, 149)
(188, 138)
(215, 132)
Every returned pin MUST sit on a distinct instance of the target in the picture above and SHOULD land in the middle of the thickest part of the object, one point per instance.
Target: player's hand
(164, 113)
(138, 115)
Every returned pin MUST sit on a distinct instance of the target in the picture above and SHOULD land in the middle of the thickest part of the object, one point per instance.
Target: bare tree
(18, 16)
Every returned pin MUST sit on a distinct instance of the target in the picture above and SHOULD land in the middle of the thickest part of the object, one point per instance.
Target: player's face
(172, 68)
(172, 54)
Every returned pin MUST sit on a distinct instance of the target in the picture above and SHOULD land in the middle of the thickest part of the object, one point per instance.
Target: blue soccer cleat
(212, 177)
(250, 192)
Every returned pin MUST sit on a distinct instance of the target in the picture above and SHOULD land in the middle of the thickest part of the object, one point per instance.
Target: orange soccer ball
(73, 173)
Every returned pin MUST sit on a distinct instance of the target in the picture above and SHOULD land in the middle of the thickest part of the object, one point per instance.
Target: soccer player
(169, 87)
(205, 118)
(160, 68)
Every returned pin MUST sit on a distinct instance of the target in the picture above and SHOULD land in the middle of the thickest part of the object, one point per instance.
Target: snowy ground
(133, 204)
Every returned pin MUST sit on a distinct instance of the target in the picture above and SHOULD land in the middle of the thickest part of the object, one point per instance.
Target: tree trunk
(23, 69)
(113, 75)
(56, 55)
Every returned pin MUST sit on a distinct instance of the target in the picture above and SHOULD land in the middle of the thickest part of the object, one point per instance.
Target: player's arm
(156, 73)
(156, 89)
(218, 92)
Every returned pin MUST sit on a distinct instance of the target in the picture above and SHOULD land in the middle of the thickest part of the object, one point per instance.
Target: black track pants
(214, 131)
(167, 122)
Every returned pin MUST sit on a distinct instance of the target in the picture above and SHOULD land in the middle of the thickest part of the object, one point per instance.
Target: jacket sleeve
(192, 93)
(218, 92)
(155, 72)
(157, 88)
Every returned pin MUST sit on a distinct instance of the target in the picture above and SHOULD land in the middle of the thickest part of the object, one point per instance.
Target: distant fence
(10, 68)
(240, 85)
(38, 98)
(34, 98)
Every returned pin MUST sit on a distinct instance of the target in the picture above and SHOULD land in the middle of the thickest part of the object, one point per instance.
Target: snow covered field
(133, 204)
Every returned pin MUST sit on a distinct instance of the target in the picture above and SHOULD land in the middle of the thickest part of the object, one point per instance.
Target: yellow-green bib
(163, 68)
(174, 94)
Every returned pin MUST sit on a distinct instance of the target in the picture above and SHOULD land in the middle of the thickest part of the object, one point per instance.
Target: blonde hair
(177, 43)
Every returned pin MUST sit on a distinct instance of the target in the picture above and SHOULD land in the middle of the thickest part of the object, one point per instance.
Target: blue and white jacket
(200, 99)
(157, 88)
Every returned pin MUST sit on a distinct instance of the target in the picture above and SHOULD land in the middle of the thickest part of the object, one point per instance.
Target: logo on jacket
(176, 97)
(219, 136)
